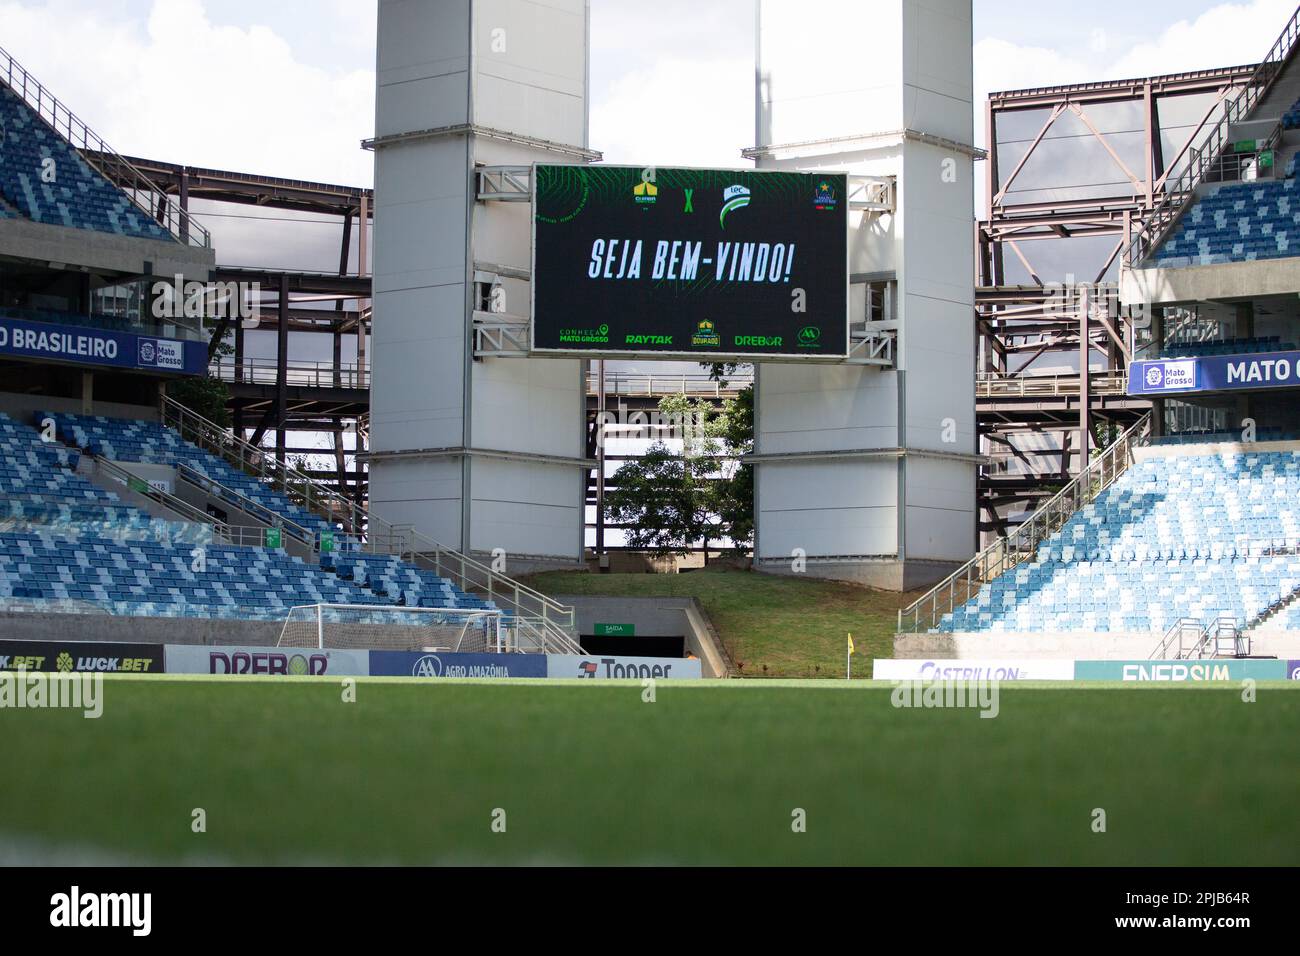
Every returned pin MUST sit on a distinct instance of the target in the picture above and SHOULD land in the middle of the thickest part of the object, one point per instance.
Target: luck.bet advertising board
(693, 262)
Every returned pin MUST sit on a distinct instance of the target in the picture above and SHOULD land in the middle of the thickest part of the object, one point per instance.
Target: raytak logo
(734, 197)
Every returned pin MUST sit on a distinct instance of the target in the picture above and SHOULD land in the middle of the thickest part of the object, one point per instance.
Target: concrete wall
(466, 429)
(1082, 646)
(102, 251)
(656, 617)
(822, 104)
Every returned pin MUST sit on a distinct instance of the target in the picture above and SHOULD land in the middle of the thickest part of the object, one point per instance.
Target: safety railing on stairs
(926, 612)
(1176, 193)
(150, 198)
(364, 531)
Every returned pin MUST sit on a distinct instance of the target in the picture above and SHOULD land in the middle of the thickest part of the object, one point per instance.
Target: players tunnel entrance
(647, 646)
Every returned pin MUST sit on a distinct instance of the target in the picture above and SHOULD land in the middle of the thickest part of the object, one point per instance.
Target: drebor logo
(266, 662)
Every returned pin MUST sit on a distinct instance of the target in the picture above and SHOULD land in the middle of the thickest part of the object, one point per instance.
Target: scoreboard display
(689, 262)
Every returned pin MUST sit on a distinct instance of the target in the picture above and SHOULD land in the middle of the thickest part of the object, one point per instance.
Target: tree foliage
(668, 500)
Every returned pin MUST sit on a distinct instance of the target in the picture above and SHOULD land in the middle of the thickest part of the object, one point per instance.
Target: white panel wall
(884, 67)
(509, 66)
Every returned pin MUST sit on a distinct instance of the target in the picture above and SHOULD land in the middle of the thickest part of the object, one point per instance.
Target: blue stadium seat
(67, 545)
(79, 197)
(1172, 537)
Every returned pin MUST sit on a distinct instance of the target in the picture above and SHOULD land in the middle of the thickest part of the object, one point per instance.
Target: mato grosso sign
(692, 262)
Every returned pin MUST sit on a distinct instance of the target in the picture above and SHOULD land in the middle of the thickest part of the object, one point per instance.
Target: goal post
(372, 627)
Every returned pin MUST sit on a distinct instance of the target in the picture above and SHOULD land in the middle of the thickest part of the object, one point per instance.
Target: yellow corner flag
(850, 643)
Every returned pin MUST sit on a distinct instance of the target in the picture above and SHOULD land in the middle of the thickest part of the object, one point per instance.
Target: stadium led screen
(695, 262)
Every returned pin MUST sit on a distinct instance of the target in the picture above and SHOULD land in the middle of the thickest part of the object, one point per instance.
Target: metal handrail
(1005, 553)
(137, 187)
(142, 487)
(1174, 632)
(651, 384)
(246, 504)
(311, 374)
(1165, 213)
(989, 384)
(371, 534)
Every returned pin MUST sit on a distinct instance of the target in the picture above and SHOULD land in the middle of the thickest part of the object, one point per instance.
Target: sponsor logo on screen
(734, 197)
(824, 196)
(809, 336)
(585, 336)
(705, 334)
(645, 193)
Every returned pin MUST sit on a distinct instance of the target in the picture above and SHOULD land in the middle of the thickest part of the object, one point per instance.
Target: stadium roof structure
(1074, 168)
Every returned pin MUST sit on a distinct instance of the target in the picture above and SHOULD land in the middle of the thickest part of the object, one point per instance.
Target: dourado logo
(706, 334)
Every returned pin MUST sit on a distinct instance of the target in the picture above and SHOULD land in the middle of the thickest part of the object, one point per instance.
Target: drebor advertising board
(295, 661)
(82, 656)
(698, 262)
(603, 667)
(418, 664)
(87, 346)
(970, 670)
(1191, 670)
(1215, 373)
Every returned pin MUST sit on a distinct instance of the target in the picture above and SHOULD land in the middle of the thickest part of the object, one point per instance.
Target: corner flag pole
(848, 660)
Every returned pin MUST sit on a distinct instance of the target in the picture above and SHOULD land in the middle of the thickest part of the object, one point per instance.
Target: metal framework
(279, 395)
(1028, 331)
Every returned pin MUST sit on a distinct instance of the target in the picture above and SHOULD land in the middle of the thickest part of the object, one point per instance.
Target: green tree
(667, 501)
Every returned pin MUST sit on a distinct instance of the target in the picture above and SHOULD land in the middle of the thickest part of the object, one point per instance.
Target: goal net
(366, 627)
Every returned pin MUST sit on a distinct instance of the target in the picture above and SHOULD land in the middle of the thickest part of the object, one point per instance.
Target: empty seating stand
(1192, 535)
(1233, 346)
(78, 197)
(69, 546)
(133, 440)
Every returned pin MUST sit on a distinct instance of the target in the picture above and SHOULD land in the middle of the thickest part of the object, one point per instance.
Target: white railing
(650, 384)
(926, 612)
(1204, 159)
(307, 374)
(991, 384)
(148, 197)
(363, 531)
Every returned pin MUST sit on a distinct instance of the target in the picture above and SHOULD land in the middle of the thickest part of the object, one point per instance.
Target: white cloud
(178, 87)
(677, 112)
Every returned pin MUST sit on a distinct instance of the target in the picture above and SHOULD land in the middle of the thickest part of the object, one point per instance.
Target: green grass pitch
(710, 773)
